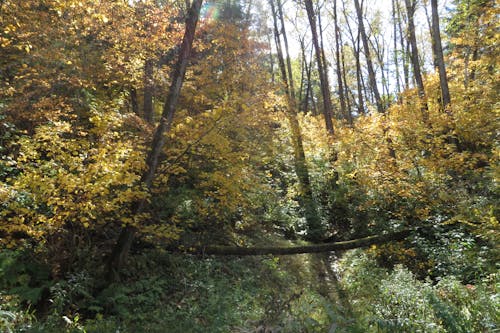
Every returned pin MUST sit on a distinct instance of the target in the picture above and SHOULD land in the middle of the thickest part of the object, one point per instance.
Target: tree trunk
(314, 248)
(343, 107)
(443, 80)
(304, 81)
(395, 40)
(122, 247)
(325, 87)
(134, 102)
(371, 73)
(287, 54)
(356, 48)
(404, 48)
(379, 52)
(309, 91)
(433, 41)
(324, 62)
(307, 202)
(300, 98)
(410, 9)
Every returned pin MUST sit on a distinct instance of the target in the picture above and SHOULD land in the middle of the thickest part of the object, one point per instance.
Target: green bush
(396, 301)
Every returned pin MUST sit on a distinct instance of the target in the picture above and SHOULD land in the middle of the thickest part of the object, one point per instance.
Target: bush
(396, 301)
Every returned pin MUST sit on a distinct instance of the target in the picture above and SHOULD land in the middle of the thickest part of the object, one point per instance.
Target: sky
(296, 23)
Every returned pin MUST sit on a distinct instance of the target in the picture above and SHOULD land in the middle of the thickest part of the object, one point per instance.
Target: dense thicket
(140, 138)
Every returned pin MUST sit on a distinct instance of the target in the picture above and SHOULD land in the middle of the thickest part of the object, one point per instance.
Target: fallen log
(312, 248)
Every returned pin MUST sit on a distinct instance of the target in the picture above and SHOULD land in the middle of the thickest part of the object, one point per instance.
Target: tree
(307, 96)
(404, 44)
(343, 107)
(355, 42)
(122, 247)
(369, 62)
(410, 9)
(313, 248)
(306, 195)
(471, 33)
(322, 70)
(438, 50)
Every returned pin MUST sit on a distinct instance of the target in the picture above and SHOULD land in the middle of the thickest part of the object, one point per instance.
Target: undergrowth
(162, 292)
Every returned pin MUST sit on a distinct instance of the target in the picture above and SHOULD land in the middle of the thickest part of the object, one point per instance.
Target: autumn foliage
(76, 79)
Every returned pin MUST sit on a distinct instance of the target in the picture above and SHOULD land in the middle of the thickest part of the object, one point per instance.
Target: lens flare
(210, 11)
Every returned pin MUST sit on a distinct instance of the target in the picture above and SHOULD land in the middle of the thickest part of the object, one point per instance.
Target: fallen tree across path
(313, 248)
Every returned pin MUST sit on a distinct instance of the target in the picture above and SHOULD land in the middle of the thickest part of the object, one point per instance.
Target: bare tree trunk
(443, 80)
(307, 68)
(404, 47)
(122, 247)
(343, 107)
(307, 201)
(309, 93)
(395, 40)
(369, 63)
(433, 42)
(248, 15)
(325, 87)
(379, 52)
(315, 248)
(344, 76)
(410, 8)
(323, 56)
(356, 48)
(287, 54)
(303, 73)
(133, 101)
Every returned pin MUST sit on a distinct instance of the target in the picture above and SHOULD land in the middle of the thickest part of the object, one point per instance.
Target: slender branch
(191, 145)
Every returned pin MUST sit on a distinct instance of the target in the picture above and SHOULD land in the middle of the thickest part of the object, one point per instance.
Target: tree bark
(134, 102)
(287, 53)
(323, 77)
(395, 51)
(323, 60)
(443, 80)
(410, 9)
(371, 73)
(309, 91)
(343, 107)
(124, 243)
(356, 48)
(307, 201)
(314, 248)
(300, 98)
(433, 41)
(404, 47)
(379, 53)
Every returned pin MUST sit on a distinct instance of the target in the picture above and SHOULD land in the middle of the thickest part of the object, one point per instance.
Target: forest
(249, 166)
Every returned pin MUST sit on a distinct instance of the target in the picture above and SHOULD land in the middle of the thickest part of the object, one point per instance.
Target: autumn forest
(249, 166)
